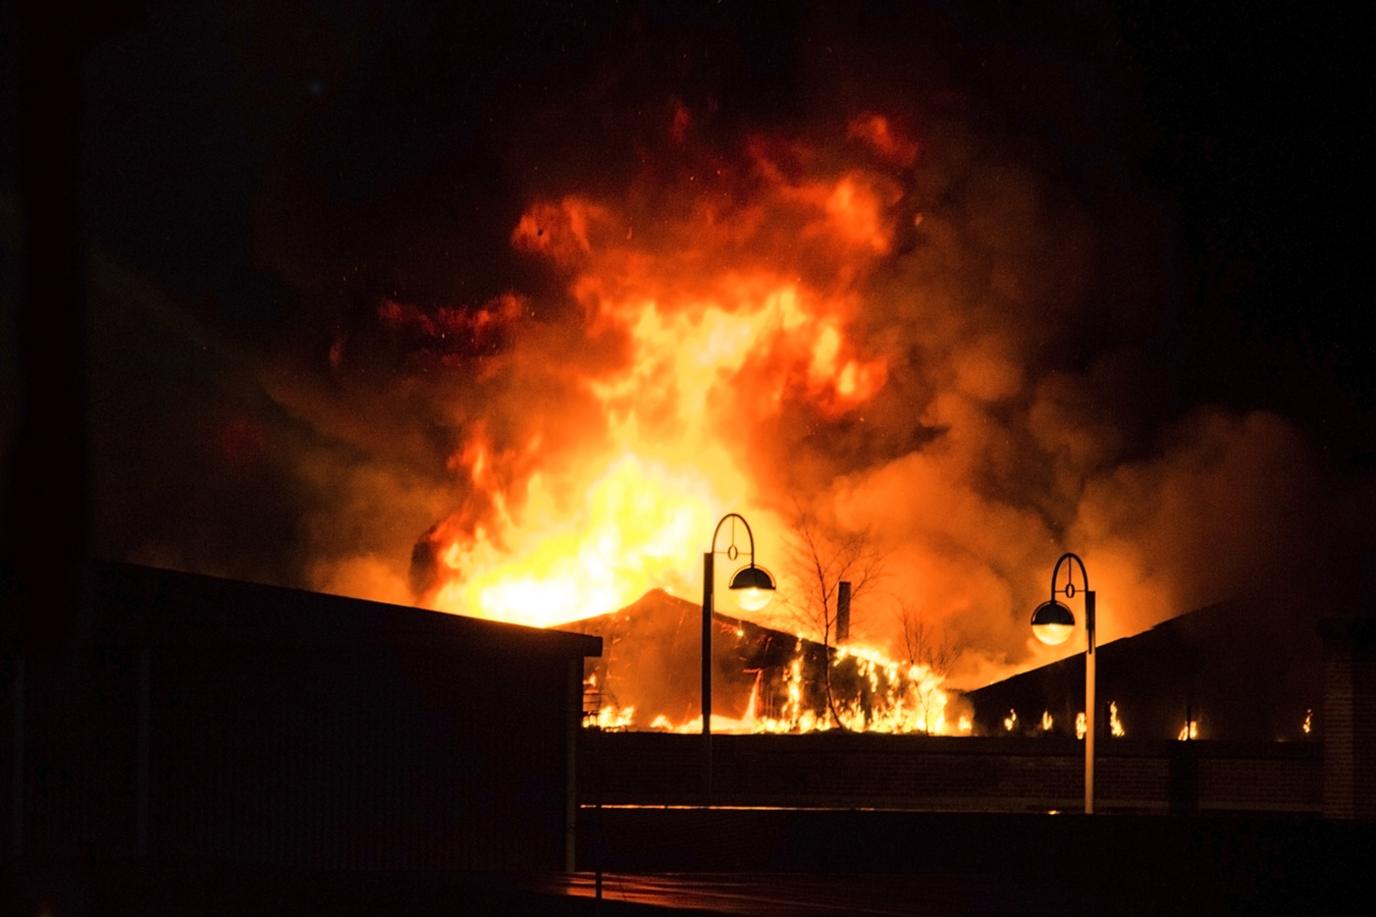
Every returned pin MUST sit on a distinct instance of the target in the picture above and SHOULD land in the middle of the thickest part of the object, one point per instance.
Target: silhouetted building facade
(1349, 739)
(652, 653)
(198, 719)
(1242, 670)
(652, 657)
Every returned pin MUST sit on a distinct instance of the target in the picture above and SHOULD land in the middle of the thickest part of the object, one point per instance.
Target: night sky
(252, 180)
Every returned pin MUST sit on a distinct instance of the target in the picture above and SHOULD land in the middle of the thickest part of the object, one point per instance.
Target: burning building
(764, 679)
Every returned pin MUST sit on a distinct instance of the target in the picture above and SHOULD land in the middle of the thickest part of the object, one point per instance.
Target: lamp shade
(754, 587)
(1052, 623)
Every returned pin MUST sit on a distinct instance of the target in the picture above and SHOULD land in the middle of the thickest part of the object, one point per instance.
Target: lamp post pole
(1090, 703)
(757, 584)
(708, 574)
(1052, 623)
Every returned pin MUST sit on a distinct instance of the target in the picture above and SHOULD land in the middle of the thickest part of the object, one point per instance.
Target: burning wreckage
(765, 680)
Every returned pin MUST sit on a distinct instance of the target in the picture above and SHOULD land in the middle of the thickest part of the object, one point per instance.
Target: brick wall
(951, 774)
(1349, 711)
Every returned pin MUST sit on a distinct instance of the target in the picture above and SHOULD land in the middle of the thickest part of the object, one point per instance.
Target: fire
(716, 307)
(1081, 725)
(1308, 725)
(717, 312)
(1115, 725)
(1047, 722)
(793, 710)
(631, 522)
(901, 698)
(611, 718)
(1189, 731)
(1011, 720)
(895, 697)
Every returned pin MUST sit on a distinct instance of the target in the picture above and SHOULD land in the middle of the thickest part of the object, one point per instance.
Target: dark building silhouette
(1349, 739)
(1244, 670)
(197, 719)
(652, 652)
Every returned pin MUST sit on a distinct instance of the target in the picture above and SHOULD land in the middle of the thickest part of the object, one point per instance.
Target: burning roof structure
(1237, 670)
(763, 679)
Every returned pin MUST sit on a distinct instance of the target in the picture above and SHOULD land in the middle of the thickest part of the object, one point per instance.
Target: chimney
(843, 612)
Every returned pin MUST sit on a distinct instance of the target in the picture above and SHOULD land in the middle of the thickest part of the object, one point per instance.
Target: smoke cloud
(913, 279)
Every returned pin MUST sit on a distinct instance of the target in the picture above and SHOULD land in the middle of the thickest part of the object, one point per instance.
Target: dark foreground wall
(193, 719)
(959, 774)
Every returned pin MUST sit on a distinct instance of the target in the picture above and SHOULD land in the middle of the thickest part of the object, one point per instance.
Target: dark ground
(793, 863)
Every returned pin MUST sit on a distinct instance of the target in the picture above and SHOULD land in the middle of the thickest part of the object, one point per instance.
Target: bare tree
(921, 645)
(823, 557)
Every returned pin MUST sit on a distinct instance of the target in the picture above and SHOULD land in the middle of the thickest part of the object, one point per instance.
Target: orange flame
(715, 316)
(901, 698)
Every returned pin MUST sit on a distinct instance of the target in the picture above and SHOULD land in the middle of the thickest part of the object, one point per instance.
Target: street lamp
(1052, 624)
(754, 588)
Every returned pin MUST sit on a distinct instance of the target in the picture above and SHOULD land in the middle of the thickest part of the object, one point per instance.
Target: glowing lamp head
(754, 587)
(1052, 623)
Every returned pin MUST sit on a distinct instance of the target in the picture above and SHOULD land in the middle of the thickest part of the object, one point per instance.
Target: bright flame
(715, 319)
(1115, 725)
(898, 698)
(632, 523)
(1011, 720)
(1047, 722)
(1080, 725)
(611, 718)
(902, 697)
(1189, 731)
(1308, 725)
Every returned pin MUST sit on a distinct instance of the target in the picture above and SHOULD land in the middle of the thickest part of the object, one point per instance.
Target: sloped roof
(652, 652)
(1244, 668)
(128, 602)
